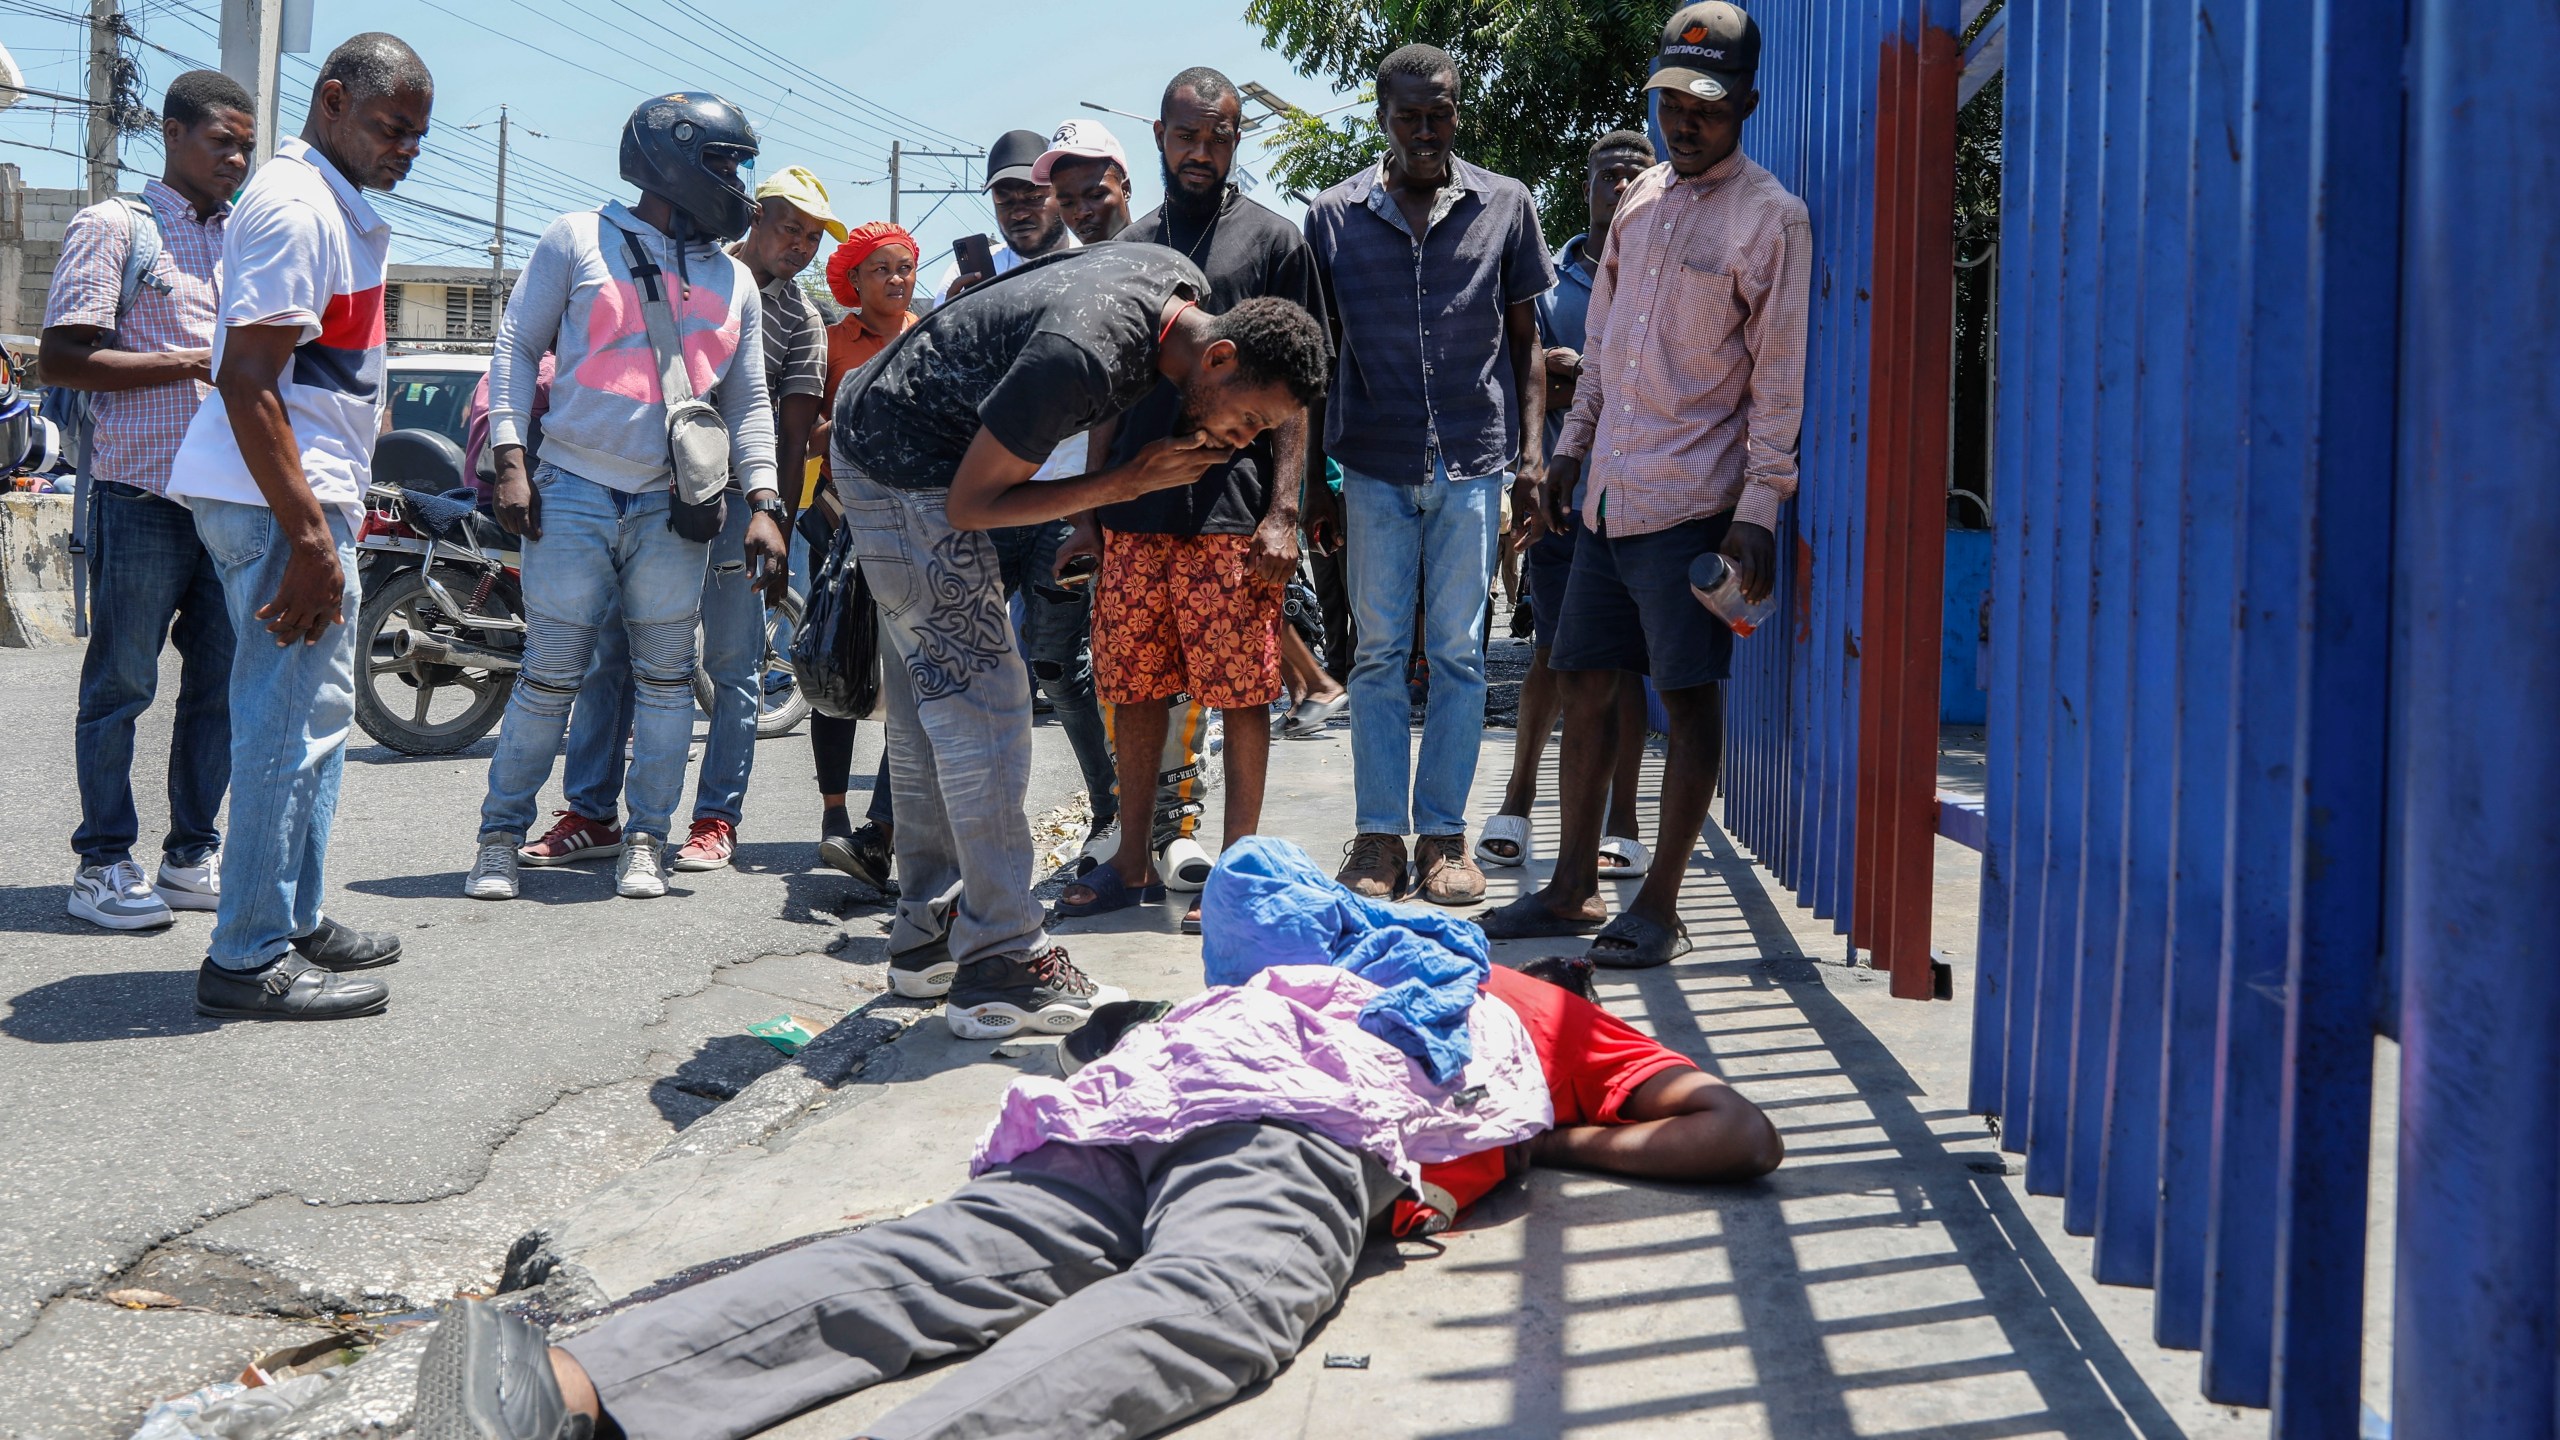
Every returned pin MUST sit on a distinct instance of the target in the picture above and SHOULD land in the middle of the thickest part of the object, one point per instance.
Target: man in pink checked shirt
(142, 354)
(1685, 421)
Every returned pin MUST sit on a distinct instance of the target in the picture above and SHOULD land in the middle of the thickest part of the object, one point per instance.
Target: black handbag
(835, 654)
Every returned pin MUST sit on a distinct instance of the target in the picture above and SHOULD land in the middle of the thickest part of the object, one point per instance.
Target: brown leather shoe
(1449, 873)
(1375, 867)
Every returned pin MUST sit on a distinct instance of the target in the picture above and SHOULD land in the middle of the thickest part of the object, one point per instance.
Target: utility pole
(252, 40)
(102, 99)
(898, 186)
(498, 233)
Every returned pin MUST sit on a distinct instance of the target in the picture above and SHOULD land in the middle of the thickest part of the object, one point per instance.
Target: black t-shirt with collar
(1036, 355)
(1246, 252)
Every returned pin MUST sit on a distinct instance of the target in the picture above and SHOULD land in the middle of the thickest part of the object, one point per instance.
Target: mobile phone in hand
(975, 255)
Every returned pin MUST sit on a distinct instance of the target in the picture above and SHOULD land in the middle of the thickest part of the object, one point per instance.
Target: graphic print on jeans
(966, 629)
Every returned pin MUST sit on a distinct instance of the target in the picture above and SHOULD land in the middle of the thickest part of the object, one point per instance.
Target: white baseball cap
(1078, 140)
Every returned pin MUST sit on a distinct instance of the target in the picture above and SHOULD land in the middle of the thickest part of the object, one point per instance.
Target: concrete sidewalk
(1892, 1279)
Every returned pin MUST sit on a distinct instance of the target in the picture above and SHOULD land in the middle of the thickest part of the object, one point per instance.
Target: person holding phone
(940, 443)
(1026, 211)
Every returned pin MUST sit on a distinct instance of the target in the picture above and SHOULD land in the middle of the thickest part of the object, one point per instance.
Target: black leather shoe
(333, 946)
(290, 989)
(487, 1376)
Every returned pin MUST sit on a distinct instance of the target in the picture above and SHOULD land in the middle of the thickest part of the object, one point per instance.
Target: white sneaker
(117, 897)
(643, 872)
(190, 887)
(493, 875)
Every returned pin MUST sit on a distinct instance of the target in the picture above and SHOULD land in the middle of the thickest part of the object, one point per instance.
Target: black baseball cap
(1710, 50)
(1013, 155)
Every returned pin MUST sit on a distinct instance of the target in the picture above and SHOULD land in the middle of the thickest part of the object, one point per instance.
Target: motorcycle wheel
(784, 706)
(418, 708)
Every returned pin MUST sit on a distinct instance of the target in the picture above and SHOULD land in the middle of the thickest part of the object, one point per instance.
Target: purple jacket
(1286, 1045)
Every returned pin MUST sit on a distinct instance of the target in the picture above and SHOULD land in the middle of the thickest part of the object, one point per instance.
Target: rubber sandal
(1191, 919)
(1110, 893)
(1184, 865)
(1632, 942)
(1634, 860)
(1528, 918)
(1513, 828)
(1308, 718)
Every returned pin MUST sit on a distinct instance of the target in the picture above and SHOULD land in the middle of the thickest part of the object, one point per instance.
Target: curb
(374, 1398)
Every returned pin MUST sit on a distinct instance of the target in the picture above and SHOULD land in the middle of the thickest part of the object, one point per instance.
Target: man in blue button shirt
(1433, 268)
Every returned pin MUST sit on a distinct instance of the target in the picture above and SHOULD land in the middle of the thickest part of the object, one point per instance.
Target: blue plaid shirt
(1424, 377)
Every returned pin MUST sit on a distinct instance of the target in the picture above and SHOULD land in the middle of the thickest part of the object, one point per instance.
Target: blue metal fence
(2274, 659)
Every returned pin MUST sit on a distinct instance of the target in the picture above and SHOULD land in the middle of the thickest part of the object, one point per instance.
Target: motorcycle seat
(454, 519)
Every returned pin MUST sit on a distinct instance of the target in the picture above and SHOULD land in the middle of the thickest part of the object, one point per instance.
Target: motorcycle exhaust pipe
(427, 649)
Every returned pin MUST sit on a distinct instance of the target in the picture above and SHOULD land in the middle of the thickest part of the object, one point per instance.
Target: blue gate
(2274, 697)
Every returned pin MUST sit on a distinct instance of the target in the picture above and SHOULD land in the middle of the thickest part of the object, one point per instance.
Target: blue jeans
(290, 709)
(1056, 638)
(732, 650)
(151, 580)
(600, 548)
(1438, 538)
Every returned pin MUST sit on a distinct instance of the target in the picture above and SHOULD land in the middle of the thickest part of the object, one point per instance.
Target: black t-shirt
(1036, 355)
(1249, 252)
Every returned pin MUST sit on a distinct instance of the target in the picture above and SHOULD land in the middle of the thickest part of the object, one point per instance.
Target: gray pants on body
(1123, 1287)
(956, 703)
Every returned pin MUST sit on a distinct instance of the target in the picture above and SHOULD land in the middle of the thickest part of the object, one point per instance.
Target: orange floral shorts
(1185, 613)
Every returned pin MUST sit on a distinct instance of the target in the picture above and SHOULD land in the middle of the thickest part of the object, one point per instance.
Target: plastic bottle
(1718, 586)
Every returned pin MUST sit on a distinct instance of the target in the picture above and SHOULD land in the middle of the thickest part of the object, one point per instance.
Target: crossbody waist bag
(697, 436)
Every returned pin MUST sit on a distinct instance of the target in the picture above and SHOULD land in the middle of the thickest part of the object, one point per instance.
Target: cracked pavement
(532, 1052)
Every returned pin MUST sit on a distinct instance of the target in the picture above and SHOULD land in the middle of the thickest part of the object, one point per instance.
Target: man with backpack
(658, 400)
(129, 327)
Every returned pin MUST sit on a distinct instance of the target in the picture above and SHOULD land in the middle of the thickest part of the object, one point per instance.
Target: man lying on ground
(1141, 1241)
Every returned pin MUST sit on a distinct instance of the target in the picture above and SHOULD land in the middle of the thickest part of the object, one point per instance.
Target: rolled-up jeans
(600, 545)
(290, 709)
(956, 705)
(1443, 531)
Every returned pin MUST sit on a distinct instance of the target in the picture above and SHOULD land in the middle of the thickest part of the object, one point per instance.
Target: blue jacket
(1267, 904)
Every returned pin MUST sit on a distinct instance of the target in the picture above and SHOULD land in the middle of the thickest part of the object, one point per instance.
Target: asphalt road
(128, 1121)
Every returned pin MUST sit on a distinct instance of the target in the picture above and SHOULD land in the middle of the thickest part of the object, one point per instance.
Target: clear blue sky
(859, 73)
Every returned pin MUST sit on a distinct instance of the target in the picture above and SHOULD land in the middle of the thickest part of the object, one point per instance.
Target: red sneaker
(575, 838)
(708, 847)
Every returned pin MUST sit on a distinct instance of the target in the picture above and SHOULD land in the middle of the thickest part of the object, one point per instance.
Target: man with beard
(1191, 584)
(1026, 211)
(1087, 170)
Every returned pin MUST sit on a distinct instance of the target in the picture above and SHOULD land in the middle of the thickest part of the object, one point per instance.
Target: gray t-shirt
(795, 342)
(1035, 356)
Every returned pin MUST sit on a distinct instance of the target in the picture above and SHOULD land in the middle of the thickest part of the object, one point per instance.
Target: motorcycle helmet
(18, 420)
(665, 146)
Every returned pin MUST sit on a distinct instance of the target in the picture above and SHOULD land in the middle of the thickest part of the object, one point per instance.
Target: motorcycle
(442, 625)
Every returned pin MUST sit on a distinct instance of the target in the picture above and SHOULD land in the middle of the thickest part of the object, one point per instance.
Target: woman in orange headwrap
(873, 275)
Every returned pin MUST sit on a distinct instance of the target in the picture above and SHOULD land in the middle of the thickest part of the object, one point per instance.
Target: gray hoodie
(607, 421)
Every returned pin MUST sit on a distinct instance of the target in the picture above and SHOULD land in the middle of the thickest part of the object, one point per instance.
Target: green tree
(1541, 80)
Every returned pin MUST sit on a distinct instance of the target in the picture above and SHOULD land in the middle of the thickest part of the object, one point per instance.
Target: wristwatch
(771, 505)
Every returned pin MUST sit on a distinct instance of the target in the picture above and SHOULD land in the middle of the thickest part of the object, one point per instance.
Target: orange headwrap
(856, 248)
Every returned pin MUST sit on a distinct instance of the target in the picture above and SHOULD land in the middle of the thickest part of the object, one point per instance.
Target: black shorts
(1628, 607)
(1548, 564)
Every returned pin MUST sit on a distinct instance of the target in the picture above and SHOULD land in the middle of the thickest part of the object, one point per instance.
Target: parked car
(431, 392)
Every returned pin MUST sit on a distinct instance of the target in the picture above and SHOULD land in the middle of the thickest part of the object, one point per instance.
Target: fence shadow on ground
(1883, 1282)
